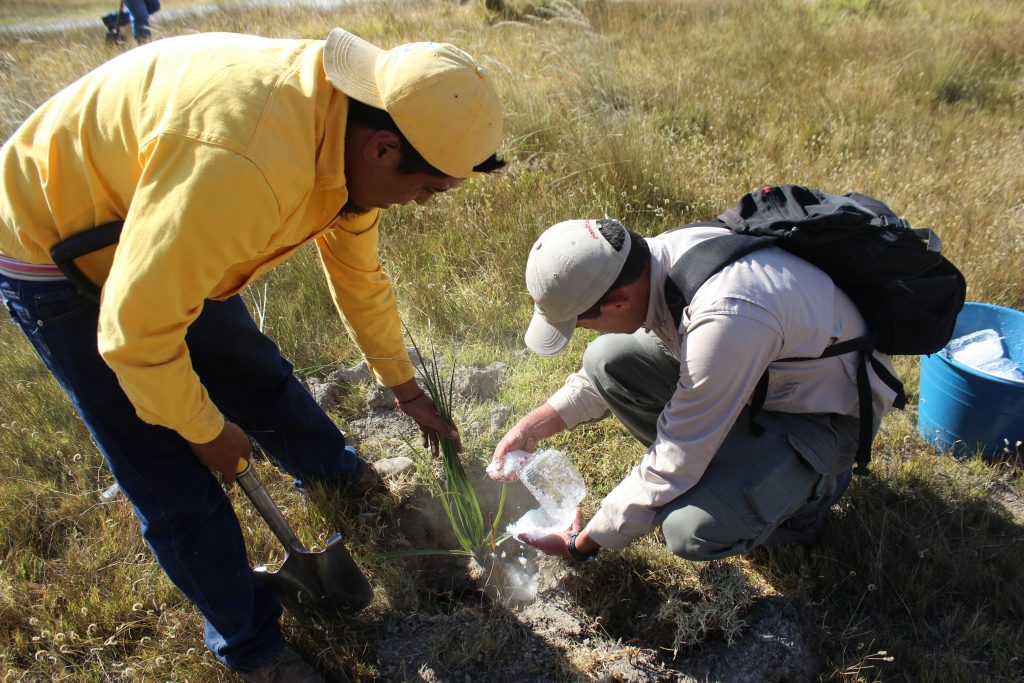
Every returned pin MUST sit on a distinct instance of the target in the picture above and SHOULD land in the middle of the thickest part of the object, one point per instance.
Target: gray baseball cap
(570, 267)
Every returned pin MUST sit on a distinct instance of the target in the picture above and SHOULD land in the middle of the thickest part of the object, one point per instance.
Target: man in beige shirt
(682, 388)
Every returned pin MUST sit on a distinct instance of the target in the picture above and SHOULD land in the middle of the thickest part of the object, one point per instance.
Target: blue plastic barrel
(964, 411)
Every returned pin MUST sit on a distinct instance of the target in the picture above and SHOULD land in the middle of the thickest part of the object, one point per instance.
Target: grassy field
(656, 112)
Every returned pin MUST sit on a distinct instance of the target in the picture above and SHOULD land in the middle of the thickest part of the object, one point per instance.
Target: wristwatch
(576, 554)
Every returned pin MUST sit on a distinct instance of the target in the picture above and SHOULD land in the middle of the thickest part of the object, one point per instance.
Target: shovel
(326, 582)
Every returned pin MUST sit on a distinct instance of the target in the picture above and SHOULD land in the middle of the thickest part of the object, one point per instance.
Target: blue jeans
(140, 11)
(185, 516)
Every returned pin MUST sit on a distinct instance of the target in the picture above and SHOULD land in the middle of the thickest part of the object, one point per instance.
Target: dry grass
(656, 113)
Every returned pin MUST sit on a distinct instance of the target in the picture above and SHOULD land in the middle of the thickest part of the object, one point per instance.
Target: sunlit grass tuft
(475, 529)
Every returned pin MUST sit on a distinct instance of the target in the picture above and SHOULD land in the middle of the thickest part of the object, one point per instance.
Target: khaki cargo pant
(754, 482)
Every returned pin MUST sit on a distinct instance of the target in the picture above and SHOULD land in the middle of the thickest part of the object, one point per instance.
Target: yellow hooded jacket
(223, 154)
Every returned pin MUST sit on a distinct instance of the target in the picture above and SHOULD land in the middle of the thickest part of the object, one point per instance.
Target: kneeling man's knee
(605, 353)
(692, 534)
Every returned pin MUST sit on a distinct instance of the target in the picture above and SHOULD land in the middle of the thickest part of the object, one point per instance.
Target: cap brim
(548, 338)
(351, 63)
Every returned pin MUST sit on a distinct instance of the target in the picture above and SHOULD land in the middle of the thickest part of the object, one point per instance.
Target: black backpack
(908, 293)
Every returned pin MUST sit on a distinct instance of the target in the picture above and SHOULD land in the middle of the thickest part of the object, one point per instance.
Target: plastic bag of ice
(976, 349)
(1004, 368)
(554, 482)
(558, 487)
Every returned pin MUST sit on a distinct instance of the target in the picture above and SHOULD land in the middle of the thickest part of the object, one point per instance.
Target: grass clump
(475, 531)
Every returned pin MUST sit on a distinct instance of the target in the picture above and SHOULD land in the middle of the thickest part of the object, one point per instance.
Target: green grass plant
(475, 529)
(655, 112)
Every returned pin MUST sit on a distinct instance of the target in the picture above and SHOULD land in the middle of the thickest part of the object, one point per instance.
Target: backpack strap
(694, 268)
(865, 418)
(65, 252)
(863, 346)
(701, 262)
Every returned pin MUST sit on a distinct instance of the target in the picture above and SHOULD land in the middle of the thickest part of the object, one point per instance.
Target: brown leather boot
(287, 667)
(372, 482)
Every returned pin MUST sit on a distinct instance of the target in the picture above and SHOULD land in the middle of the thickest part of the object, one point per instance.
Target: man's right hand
(223, 453)
(538, 424)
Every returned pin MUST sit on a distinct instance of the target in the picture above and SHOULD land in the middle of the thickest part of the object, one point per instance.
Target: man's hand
(223, 453)
(415, 403)
(517, 439)
(538, 424)
(557, 545)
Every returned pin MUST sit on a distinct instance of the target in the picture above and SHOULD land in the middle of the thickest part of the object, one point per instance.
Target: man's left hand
(557, 544)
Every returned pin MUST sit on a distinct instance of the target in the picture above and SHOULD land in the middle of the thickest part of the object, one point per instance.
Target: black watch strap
(576, 554)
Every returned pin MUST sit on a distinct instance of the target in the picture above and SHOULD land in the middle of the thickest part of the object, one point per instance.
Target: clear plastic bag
(558, 487)
(554, 482)
(976, 349)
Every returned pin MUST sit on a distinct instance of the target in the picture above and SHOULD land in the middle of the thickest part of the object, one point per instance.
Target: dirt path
(168, 13)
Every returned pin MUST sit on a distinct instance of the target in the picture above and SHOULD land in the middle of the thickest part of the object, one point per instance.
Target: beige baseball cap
(442, 100)
(570, 267)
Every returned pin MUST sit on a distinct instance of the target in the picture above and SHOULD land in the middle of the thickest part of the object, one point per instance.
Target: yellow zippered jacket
(223, 154)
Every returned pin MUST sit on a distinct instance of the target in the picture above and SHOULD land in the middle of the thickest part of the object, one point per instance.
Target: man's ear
(383, 145)
(615, 300)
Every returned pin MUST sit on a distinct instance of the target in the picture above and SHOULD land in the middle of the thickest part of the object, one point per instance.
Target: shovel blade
(327, 582)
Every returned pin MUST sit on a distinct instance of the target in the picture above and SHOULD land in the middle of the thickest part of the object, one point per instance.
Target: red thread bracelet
(399, 404)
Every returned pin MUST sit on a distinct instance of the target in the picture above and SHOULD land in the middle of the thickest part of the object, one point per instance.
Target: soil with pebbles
(553, 639)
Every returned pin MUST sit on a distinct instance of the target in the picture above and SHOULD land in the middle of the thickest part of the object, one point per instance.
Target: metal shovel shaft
(265, 505)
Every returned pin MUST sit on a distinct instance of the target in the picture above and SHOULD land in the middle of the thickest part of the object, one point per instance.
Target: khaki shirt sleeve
(363, 295)
(198, 210)
(577, 401)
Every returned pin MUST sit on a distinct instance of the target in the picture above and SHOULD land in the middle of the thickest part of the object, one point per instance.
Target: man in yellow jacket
(223, 154)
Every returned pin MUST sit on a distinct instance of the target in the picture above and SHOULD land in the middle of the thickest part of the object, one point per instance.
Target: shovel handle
(265, 505)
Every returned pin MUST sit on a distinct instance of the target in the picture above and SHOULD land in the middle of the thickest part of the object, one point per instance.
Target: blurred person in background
(136, 13)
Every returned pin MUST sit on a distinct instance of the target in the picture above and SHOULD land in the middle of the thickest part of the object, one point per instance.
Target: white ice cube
(976, 349)
(514, 461)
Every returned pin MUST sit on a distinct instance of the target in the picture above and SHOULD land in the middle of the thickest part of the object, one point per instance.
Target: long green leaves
(474, 531)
